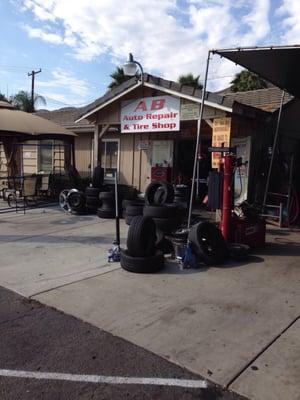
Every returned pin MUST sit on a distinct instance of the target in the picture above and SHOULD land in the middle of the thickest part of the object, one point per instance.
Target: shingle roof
(264, 99)
(164, 84)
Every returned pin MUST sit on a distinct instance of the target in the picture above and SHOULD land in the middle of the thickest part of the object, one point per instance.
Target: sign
(142, 145)
(189, 111)
(151, 114)
(220, 137)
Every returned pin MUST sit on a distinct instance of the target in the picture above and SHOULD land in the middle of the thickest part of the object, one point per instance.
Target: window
(45, 156)
(110, 157)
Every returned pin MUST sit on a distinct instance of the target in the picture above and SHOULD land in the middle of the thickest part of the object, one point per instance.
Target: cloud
(290, 11)
(166, 38)
(64, 87)
(40, 34)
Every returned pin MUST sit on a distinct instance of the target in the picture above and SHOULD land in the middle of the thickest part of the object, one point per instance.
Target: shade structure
(17, 123)
(277, 64)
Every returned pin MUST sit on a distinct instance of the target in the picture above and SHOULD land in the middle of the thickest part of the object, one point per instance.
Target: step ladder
(285, 199)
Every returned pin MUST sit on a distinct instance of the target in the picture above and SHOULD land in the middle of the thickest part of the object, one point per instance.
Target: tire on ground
(76, 201)
(208, 243)
(142, 264)
(106, 214)
(141, 237)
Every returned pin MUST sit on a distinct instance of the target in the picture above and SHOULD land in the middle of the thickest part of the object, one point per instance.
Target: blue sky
(78, 43)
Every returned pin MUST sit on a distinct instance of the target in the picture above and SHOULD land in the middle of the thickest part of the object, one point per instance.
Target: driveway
(237, 325)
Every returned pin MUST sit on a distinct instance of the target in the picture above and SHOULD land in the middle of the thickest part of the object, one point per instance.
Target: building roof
(164, 85)
(264, 99)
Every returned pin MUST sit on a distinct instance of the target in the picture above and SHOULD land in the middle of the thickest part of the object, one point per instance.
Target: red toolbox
(251, 232)
(161, 174)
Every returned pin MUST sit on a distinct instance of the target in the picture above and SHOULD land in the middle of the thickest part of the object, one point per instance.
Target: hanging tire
(106, 214)
(164, 190)
(76, 201)
(98, 176)
(141, 237)
(165, 211)
(142, 264)
(208, 243)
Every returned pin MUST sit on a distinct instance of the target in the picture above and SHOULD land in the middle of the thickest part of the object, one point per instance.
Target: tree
(247, 80)
(190, 80)
(22, 100)
(118, 77)
(3, 97)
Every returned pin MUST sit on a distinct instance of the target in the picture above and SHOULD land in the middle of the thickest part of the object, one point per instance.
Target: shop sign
(151, 114)
(189, 111)
(143, 145)
(220, 137)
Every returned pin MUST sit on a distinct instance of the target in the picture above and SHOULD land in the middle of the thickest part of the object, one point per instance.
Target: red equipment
(227, 195)
(161, 174)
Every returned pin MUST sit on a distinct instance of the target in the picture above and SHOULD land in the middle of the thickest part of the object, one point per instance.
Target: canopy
(278, 64)
(14, 122)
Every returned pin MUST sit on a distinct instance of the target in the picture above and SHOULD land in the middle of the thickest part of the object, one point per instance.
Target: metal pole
(273, 151)
(117, 212)
(198, 138)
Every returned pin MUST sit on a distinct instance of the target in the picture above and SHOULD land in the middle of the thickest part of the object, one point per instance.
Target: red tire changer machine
(248, 231)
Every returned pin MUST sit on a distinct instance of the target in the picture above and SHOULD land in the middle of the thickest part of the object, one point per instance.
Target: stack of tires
(142, 254)
(167, 215)
(132, 208)
(92, 198)
(181, 195)
(107, 208)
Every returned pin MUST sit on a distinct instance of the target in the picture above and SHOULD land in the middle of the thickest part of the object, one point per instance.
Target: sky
(79, 43)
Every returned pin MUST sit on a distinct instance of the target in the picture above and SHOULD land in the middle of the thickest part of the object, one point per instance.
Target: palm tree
(190, 80)
(3, 97)
(247, 80)
(118, 77)
(22, 100)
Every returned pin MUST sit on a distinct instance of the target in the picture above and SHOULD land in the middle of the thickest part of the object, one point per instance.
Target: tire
(92, 201)
(208, 243)
(98, 176)
(107, 196)
(166, 211)
(167, 225)
(76, 201)
(142, 264)
(133, 210)
(159, 193)
(133, 202)
(141, 237)
(92, 192)
(237, 251)
(62, 199)
(106, 214)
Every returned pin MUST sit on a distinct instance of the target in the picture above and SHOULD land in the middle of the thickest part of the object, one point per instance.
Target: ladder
(285, 199)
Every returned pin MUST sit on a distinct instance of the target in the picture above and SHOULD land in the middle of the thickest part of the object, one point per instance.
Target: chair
(43, 187)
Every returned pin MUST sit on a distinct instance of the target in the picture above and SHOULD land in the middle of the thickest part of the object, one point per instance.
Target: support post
(273, 151)
(96, 146)
(227, 196)
(198, 139)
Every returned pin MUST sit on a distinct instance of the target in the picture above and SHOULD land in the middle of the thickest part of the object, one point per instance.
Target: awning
(278, 64)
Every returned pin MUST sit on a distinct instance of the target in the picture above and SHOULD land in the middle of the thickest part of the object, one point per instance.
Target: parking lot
(235, 325)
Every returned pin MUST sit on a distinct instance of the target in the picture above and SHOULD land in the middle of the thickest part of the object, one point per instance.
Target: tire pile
(142, 255)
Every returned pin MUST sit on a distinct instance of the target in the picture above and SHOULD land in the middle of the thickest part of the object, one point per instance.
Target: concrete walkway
(230, 324)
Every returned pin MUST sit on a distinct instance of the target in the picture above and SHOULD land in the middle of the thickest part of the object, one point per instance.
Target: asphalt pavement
(36, 339)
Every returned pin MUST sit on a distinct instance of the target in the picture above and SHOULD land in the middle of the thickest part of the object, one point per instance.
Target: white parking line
(114, 380)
